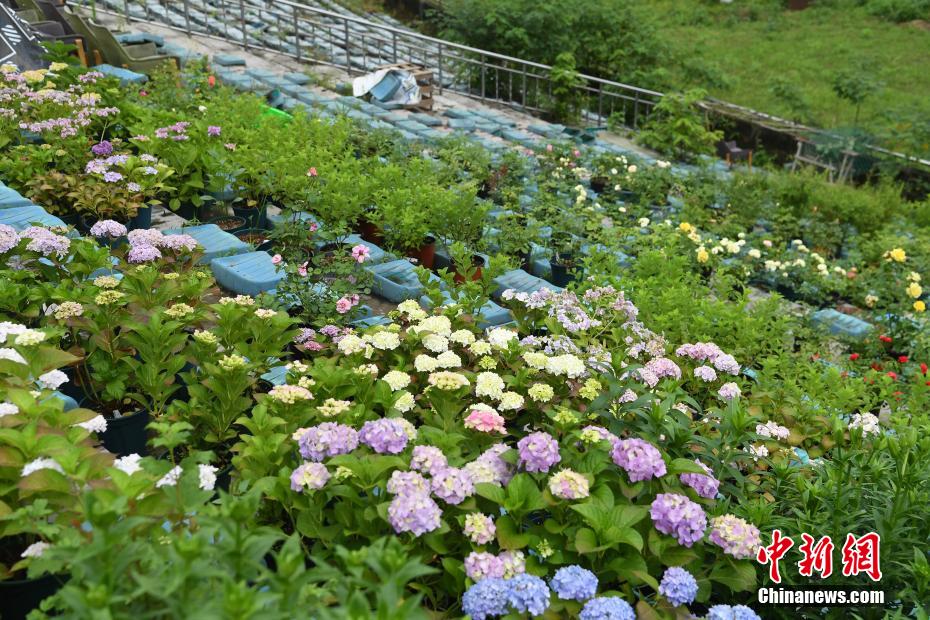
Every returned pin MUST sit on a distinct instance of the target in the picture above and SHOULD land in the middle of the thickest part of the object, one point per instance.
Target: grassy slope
(808, 48)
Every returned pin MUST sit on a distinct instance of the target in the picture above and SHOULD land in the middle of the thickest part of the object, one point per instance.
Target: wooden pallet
(424, 78)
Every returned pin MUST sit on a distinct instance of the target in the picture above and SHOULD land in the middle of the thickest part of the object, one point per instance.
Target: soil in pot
(425, 254)
(20, 596)
(254, 217)
(256, 237)
(477, 263)
(230, 223)
(127, 435)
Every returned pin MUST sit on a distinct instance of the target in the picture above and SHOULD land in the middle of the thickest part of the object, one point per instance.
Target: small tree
(567, 96)
(854, 86)
(678, 129)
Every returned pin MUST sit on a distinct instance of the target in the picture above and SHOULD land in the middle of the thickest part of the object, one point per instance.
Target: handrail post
(394, 45)
(245, 37)
(440, 67)
(296, 30)
(187, 15)
(345, 24)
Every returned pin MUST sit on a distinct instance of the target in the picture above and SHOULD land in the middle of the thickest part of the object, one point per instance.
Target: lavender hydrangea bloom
(573, 583)
(640, 459)
(102, 148)
(147, 236)
(483, 565)
(486, 599)
(177, 243)
(705, 484)
(607, 608)
(678, 516)
(735, 536)
(327, 439)
(538, 452)
(407, 482)
(678, 586)
(143, 254)
(311, 476)
(705, 373)
(108, 228)
(416, 513)
(384, 436)
(528, 594)
(736, 612)
(8, 238)
(112, 177)
(452, 485)
(490, 467)
(45, 242)
(663, 367)
(213, 131)
(427, 459)
(729, 391)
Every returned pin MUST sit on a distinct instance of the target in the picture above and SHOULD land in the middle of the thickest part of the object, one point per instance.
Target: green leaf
(586, 541)
(738, 576)
(508, 535)
(684, 466)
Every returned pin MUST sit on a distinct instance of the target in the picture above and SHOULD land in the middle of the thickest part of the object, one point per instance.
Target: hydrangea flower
(312, 476)
(528, 594)
(705, 373)
(405, 482)
(143, 254)
(428, 459)
(452, 485)
(396, 379)
(607, 608)
(490, 467)
(327, 439)
(705, 484)
(8, 238)
(514, 563)
(486, 599)
(489, 384)
(128, 464)
(479, 528)
(207, 476)
(568, 484)
(678, 516)
(384, 436)
(108, 228)
(574, 583)
(729, 391)
(482, 565)
(538, 452)
(736, 612)
(483, 418)
(640, 459)
(416, 513)
(735, 536)
(678, 586)
(52, 380)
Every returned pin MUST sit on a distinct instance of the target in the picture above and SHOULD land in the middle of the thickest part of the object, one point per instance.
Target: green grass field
(755, 46)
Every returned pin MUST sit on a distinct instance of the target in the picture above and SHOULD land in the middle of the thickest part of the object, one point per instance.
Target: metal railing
(358, 46)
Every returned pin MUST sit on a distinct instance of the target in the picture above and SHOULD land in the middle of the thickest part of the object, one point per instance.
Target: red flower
(893, 375)
(902, 359)
(854, 356)
(876, 366)
(211, 81)
(815, 356)
(884, 338)
(923, 368)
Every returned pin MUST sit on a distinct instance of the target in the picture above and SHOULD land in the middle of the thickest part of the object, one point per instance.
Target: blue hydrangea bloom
(678, 586)
(736, 612)
(573, 583)
(607, 608)
(486, 599)
(528, 594)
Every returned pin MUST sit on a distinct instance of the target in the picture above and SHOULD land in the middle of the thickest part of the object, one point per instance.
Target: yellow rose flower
(685, 227)
(919, 306)
(897, 255)
(702, 255)
(914, 290)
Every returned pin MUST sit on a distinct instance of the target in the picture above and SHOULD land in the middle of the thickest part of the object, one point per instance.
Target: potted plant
(407, 215)
(516, 234)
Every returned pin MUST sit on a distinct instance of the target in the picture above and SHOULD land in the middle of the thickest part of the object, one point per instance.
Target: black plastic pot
(20, 596)
(142, 219)
(254, 217)
(256, 236)
(230, 223)
(526, 261)
(561, 276)
(74, 220)
(127, 435)
(189, 212)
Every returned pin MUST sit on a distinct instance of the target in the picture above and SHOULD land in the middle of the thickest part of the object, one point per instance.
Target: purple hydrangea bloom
(306, 335)
(735, 536)
(428, 459)
(330, 331)
(663, 367)
(607, 608)
(134, 187)
(678, 586)
(150, 171)
(327, 439)
(528, 594)
(147, 236)
(416, 513)
(384, 436)
(705, 373)
(736, 612)
(177, 243)
(640, 459)
(102, 148)
(729, 391)
(407, 482)
(112, 177)
(452, 485)
(678, 516)
(143, 254)
(573, 583)
(9, 239)
(213, 130)
(538, 451)
(482, 565)
(108, 228)
(705, 484)
(45, 242)
(311, 476)
(490, 467)
(486, 599)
